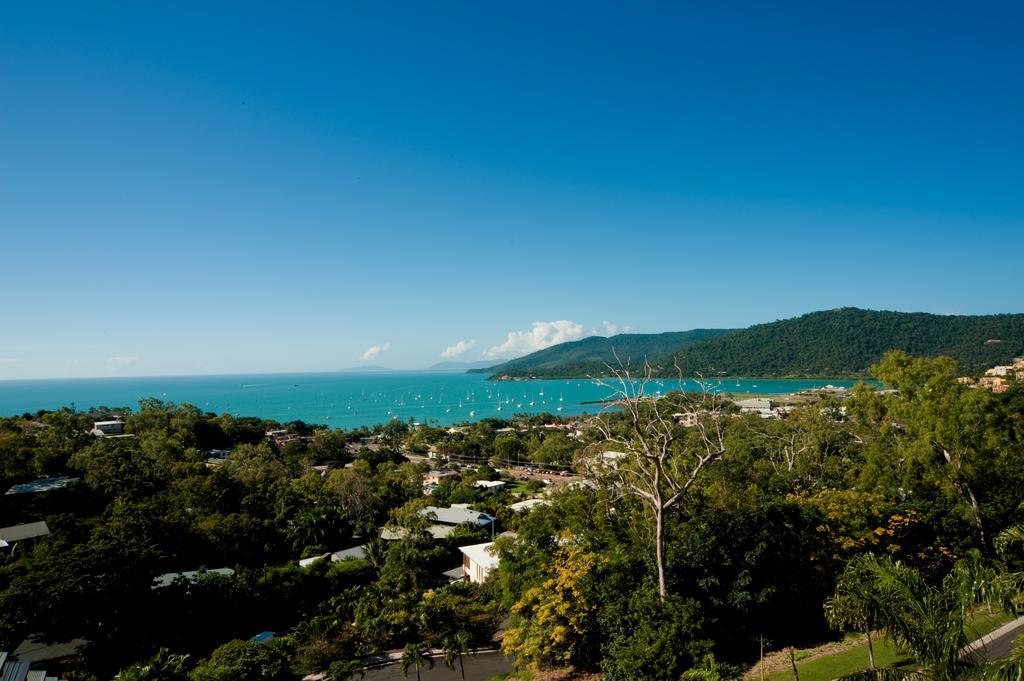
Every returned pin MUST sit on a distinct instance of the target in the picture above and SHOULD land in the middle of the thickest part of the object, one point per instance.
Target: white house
(445, 520)
(105, 428)
(477, 561)
(607, 460)
(493, 485)
(356, 552)
(754, 405)
(528, 504)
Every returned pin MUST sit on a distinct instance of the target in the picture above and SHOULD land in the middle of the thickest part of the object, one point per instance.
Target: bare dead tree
(661, 465)
(787, 449)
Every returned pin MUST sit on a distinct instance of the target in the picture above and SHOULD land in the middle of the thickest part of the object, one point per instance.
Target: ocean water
(348, 400)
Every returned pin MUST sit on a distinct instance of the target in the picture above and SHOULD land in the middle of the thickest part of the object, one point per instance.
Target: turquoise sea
(351, 399)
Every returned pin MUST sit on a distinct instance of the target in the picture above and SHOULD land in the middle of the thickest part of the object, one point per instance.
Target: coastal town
(469, 508)
(665, 341)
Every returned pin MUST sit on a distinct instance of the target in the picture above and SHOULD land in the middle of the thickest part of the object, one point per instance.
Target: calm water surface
(350, 399)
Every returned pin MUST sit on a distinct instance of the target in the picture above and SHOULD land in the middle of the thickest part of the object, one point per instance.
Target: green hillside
(590, 355)
(848, 341)
(833, 343)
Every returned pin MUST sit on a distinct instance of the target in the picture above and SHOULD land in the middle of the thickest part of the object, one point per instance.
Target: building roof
(191, 575)
(456, 573)
(436, 532)
(26, 531)
(481, 554)
(456, 515)
(489, 484)
(306, 562)
(30, 650)
(13, 669)
(263, 637)
(528, 504)
(754, 403)
(42, 485)
(356, 552)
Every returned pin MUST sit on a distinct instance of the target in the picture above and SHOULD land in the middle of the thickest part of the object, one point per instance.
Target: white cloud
(118, 363)
(374, 350)
(542, 335)
(612, 329)
(459, 348)
(9, 360)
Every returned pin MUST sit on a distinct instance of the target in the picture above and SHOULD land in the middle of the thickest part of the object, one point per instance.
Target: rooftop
(528, 504)
(27, 531)
(481, 554)
(455, 515)
(191, 575)
(42, 485)
(490, 484)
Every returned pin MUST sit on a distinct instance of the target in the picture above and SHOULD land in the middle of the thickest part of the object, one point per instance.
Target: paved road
(478, 668)
(999, 644)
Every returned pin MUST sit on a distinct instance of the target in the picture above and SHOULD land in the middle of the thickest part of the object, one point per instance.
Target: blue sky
(190, 188)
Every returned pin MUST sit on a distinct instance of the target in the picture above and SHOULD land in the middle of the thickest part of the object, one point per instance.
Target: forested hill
(834, 343)
(848, 341)
(590, 355)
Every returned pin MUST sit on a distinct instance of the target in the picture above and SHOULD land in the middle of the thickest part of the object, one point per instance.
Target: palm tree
(416, 655)
(853, 603)
(376, 550)
(929, 621)
(455, 646)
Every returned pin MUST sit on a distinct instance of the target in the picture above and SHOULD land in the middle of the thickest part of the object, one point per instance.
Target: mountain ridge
(842, 342)
(597, 350)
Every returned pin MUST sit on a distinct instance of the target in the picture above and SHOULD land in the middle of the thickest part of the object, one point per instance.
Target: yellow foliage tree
(552, 623)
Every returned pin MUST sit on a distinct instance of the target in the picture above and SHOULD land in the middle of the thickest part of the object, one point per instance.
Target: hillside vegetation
(715, 533)
(591, 354)
(833, 343)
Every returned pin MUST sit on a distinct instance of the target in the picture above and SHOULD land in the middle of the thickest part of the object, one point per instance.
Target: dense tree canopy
(926, 474)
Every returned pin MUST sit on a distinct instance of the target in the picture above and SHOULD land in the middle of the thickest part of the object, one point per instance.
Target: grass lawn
(984, 623)
(828, 667)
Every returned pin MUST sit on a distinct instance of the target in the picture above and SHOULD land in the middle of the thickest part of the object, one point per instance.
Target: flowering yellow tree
(551, 624)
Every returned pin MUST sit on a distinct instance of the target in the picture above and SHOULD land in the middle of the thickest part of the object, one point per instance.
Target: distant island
(838, 343)
(450, 365)
(447, 365)
(365, 369)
